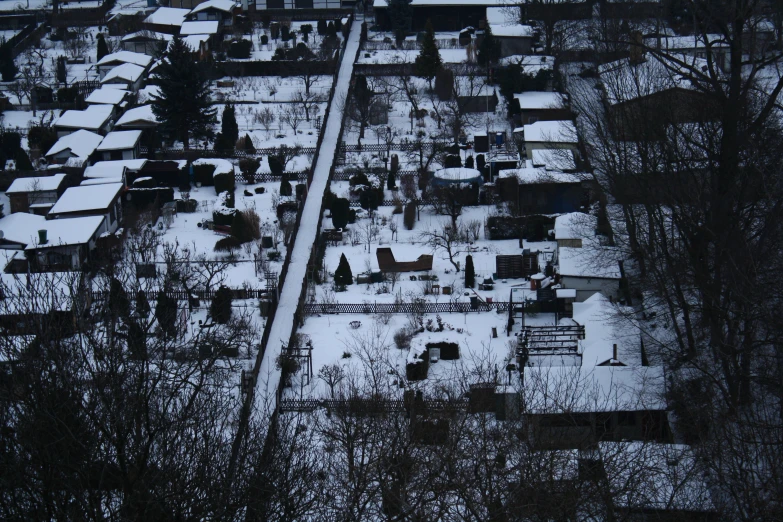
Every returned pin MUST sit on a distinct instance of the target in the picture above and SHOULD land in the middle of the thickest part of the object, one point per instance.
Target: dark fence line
(405, 146)
(170, 154)
(345, 175)
(407, 45)
(388, 202)
(181, 295)
(265, 177)
(369, 406)
(404, 308)
(397, 69)
(272, 68)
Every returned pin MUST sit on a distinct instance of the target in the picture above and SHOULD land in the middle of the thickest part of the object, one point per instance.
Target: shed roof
(83, 199)
(562, 131)
(127, 71)
(204, 27)
(81, 143)
(137, 115)
(540, 100)
(92, 118)
(226, 6)
(167, 16)
(504, 21)
(37, 183)
(590, 261)
(121, 57)
(107, 96)
(120, 140)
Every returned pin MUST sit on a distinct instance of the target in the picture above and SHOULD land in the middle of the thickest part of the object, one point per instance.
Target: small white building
(151, 43)
(559, 134)
(110, 61)
(64, 244)
(128, 75)
(120, 145)
(573, 228)
(99, 200)
(95, 118)
(138, 118)
(589, 270)
(36, 194)
(75, 149)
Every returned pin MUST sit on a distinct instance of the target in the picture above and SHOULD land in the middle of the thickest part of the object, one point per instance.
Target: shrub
(402, 338)
(397, 207)
(453, 161)
(41, 138)
(359, 179)
(391, 180)
(246, 143)
(142, 304)
(220, 309)
(166, 313)
(369, 199)
(276, 166)
(119, 304)
(249, 166)
(204, 174)
(259, 190)
(246, 226)
(343, 275)
(469, 162)
(224, 183)
(227, 244)
(67, 94)
(409, 216)
(321, 27)
(470, 272)
(352, 216)
(480, 162)
(264, 39)
(273, 255)
(240, 49)
(285, 187)
(340, 209)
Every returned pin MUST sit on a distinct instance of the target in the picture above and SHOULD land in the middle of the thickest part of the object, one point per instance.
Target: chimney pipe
(614, 352)
(42, 237)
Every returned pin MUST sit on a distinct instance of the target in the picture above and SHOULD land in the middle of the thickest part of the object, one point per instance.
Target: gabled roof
(207, 27)
(590, 261)
(68, 231)
(147, 35)
(167, 16)
(21, 227)
(562, 131)
(575, 225)
(106, 96)
(121, 57)
(540, 100)
(226, 6)
(120, 140)
(38, 183)
(114, 168)
(83, 199)
(554, 159)
(92, 118)
(81, 143)
(127, 71)
(194, 41)
(606, 326)
(141, 114)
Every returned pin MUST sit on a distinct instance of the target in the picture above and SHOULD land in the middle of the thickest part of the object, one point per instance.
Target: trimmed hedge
(448, 351)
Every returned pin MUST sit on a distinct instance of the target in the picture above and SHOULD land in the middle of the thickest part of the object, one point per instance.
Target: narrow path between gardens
(269, 375)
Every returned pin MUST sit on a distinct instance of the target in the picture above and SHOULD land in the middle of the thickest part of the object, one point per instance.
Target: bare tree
(447, 238)
(292, 115)
(309, 102)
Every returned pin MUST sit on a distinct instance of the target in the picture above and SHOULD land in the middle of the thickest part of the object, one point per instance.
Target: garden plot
(270, 89)
(408, 245)
(246, 268)
(273, 124)
(261, 52)
(364, 351)
(405, 128)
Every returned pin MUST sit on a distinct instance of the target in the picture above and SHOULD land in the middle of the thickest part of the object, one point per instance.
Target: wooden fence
(172, 154)
(404, 308)
(369, 406)
(181, 295)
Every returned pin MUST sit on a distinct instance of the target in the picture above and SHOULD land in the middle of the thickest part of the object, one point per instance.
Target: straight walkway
(269, 375)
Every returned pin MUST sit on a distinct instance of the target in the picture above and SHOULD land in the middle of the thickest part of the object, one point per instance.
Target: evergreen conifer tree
(142, 304)
(103, 49)
(229, 126)
(470, 272)
(489, 50)
(429, 61)
(183, 106)
(220, 309)
(343, 275)
(8, 68)
(62, 73)
(166, 313)
(401, 14)
(285, 186)
(249, 144)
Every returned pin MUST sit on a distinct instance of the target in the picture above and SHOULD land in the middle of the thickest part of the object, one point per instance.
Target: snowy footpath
(269, 375)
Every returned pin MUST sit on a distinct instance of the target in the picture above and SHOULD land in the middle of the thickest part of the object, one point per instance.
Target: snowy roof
(567, 389)
(590, 261)
(81, 199)
(107, 96)
(38, 183)
(206, 27)
(221, 5)
(444, 3)
(607, 326)
(540, 100)
(93, 117)
(68, 231)
(100, 181)
(575, 225)
(127, 71)
(457, 174)
(81, 143)
(139, 114)
(504, 21)
(120, 140)
(21, 227)
(167, 16)
(653, 476)
(624, 81)
(121, 57)
(528, 175)
(112, 169)
(146, 35)
(554, 159)
(562, 131)
(194, 41)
